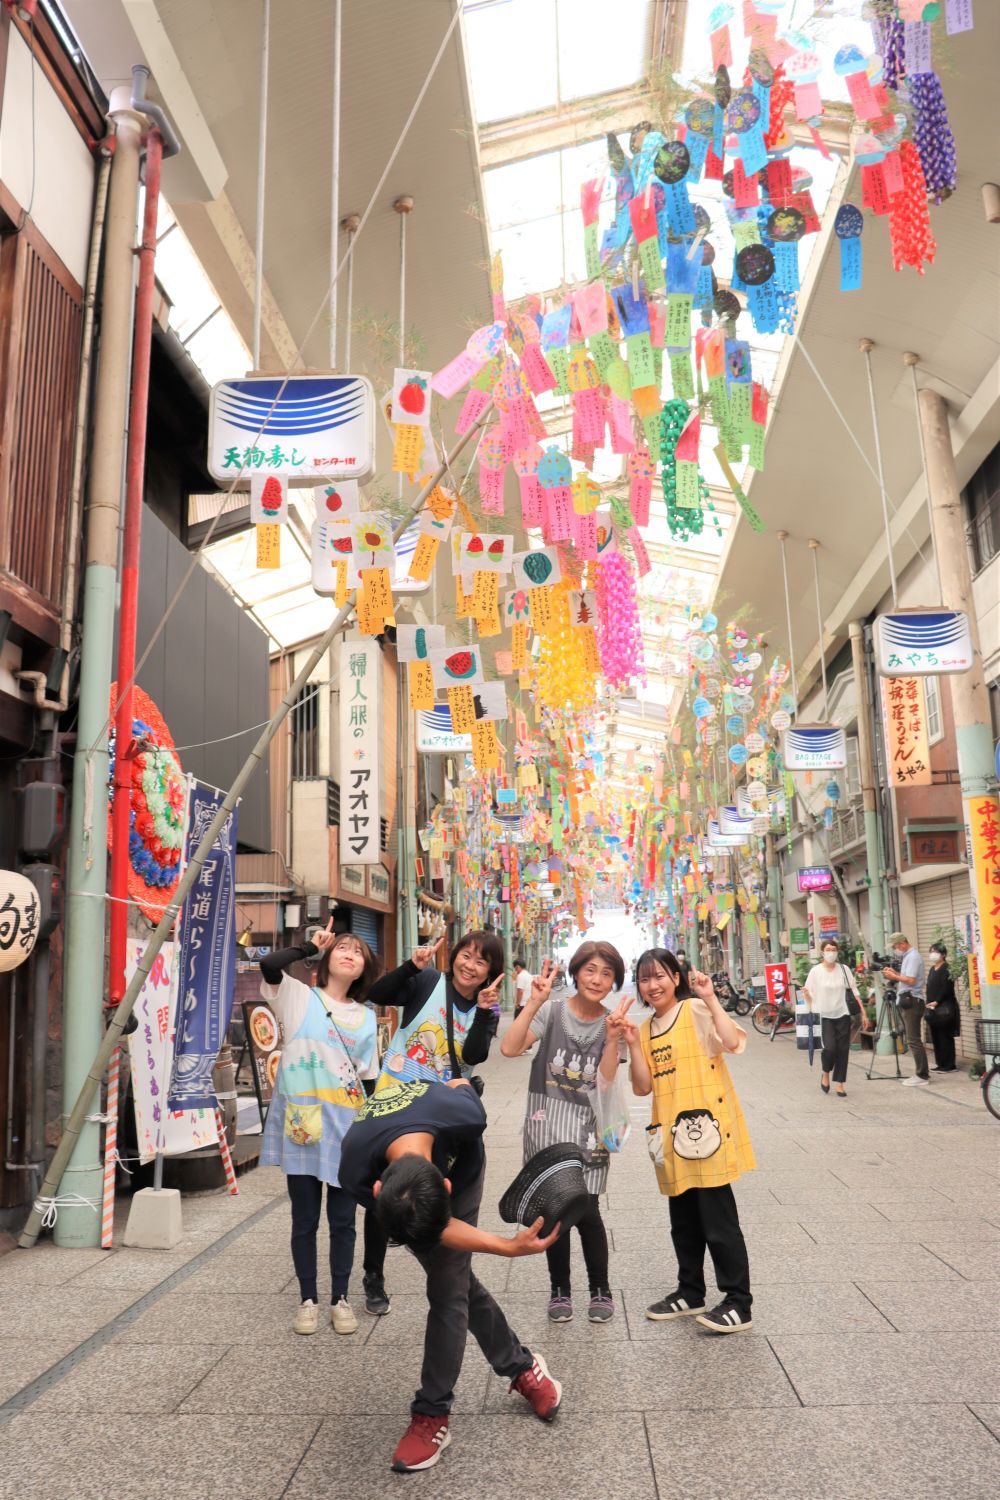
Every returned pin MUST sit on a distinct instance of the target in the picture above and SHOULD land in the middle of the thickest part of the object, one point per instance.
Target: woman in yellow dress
(697, 1139)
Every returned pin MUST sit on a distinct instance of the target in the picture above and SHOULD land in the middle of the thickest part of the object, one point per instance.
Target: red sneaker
(422, 1444)
(541, 1392)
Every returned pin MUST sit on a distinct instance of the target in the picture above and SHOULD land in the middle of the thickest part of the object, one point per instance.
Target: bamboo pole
(118, 1020)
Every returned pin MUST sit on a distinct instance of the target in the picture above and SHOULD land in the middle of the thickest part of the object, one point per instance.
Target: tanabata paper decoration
(339, 502)
(454, 667)
(476, 552)
(268, 546)
(268, 499)
(532, 569)
(411, 397)
(159, 802)
(416, 642)
(333, 565)
(372, 540)
(619, 634)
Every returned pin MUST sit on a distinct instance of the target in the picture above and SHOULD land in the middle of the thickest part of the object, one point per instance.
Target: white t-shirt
(522, 988)
(826, 990)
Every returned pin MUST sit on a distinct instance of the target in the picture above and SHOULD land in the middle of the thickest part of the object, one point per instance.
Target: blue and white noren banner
(923, 643)
(208, 957)
(815, 747)
(306, 429)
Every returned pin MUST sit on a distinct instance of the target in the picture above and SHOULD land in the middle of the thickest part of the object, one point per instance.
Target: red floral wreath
(156, 817)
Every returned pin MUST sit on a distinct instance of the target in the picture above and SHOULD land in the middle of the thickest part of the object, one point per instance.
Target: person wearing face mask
(830, 988)
(943, 1015)
(329, 1058)
(909, 975)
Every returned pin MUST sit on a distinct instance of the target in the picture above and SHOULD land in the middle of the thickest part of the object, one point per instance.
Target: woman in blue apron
(442, 1016)
(328, 1051)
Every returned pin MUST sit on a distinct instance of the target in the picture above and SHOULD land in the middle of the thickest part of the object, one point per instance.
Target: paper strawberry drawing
(334, 501)
(271, 496)
(496, 548)
(413, 396)
(475, 545)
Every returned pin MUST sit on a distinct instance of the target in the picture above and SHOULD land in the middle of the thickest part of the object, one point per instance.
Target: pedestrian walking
(909, 976)
(415, 1156)
(697, 1138)
(833, 995)
(328, 1052)
(943, 1015)
(447, 1022)
(574, 1043)
(522, 986)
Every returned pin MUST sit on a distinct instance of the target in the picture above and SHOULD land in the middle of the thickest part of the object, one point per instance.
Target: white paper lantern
(18, 919)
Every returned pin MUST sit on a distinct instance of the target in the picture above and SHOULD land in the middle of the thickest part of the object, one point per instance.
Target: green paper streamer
(652, 266)
(680, 376)
(591, 251)
(603, 351)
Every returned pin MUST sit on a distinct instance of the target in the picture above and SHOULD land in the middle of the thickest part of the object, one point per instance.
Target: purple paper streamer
(958, 16)
(933, 135)
(893, 52)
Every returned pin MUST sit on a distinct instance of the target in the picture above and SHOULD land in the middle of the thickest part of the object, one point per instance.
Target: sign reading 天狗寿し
(302, 429)
(360, 758)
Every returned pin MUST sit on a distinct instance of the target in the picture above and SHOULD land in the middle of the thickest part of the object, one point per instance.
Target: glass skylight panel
(513, 57)
(602, 48)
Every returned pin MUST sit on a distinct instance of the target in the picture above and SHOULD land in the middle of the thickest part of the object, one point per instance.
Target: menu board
(264, 1041)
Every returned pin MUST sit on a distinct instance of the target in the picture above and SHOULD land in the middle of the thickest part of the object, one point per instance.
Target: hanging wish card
(454, 667)
(582, 607)
(339, 502)
(437, 513)
(473, 406)
(483, 553)
(411, 397)
(486, 749)
(268, 546)
(424, 556)
(534, 568)
(463, 709)
(332, 551)
(515, 607)
(421, 685)
(268, 500)
(416, 642)
(490, 702)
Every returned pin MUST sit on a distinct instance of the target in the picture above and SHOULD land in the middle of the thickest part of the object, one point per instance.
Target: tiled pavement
(871, 1370)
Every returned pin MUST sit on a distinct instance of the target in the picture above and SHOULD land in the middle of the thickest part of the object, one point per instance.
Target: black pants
(707, 1217)
(594, 1241)
(944, 1042)
(836, 1036)
(376, 1244)
(306, 1194)
(460, 1304)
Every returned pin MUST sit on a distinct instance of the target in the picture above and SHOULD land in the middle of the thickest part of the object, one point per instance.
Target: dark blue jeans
(306, 1194)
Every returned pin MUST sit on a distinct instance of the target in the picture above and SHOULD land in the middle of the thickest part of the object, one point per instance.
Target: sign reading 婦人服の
(360, 730)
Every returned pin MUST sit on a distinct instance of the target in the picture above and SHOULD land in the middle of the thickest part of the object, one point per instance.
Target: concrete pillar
(866, 766)
(77, 1225)
(970, 701)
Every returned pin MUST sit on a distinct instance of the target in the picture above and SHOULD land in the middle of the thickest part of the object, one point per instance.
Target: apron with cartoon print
(420, 1049)
(698, 1136)
(317, 1091)
(563, 1073)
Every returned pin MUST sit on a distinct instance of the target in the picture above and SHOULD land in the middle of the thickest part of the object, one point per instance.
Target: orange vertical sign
(907, 750)
(982, 822)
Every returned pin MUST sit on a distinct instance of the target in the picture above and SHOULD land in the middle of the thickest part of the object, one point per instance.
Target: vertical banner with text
(908, 753)
(207, 956)
(360, 752)
(982, 825)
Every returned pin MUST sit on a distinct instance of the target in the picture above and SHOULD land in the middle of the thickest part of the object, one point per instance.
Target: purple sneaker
(601, 1308)
(560, 1306)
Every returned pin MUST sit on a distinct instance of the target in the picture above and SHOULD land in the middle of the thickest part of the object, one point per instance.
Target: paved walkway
(871, 1369)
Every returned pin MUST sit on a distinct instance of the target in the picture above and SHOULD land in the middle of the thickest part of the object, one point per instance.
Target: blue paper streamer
(680, 214)
(703, 290)
(753, 152)
(762, 304)
(786, 266)
(850, 265)
(698, 151)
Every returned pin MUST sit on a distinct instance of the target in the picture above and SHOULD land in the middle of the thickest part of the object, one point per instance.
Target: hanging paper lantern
(159, 798)
(18, 919)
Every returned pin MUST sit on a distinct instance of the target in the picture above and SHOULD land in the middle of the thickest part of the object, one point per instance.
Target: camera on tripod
(880, 961)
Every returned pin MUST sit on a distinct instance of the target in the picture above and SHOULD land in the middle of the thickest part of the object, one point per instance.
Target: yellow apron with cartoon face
(698, 1136)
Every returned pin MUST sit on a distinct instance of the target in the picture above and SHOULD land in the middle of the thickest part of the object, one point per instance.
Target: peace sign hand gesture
(619, 1026)
(541, 985)
(426, 955)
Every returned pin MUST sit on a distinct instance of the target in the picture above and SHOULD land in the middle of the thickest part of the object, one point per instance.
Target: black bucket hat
(550, 1186)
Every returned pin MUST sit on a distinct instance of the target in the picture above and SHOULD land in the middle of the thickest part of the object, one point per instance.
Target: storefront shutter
(941, 903)
(364, 924)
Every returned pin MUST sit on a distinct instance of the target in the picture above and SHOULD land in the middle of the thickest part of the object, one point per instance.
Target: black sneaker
(726, 1318)
(376, 1298)
(674, 1306)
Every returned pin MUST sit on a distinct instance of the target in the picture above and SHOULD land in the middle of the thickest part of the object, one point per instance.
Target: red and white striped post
(110, 1151)
(224, 1151)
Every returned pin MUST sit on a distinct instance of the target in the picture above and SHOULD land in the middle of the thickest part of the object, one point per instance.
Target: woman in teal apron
(328, 1050)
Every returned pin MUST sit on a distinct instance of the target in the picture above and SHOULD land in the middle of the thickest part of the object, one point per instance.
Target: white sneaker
(307, 1318)
(915, 1082)
(342, 1317)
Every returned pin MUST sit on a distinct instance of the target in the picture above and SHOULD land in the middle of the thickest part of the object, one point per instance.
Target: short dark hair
(519, 963)
(490, 948)
(662, 958)
(413, 1206)
(939, 948)
(365, 979)
(606, 952)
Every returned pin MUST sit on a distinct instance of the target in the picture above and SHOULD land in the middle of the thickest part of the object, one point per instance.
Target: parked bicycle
(773, 1019)
(731, 998)
(988, 1040)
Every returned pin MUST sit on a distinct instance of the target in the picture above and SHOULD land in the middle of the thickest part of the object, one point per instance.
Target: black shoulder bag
(853, 1003)
(456, 1067)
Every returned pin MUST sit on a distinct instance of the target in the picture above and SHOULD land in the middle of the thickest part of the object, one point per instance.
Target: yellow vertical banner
(982, 822)
(904, 709)
(421, 684)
